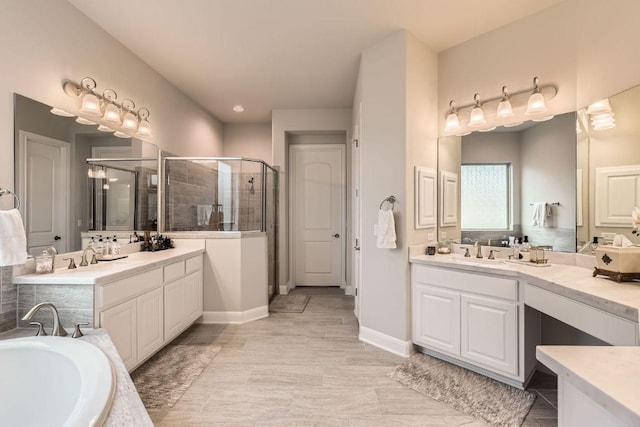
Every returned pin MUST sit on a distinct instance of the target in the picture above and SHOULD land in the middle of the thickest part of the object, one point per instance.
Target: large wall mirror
(608, 170)
(490, 182)
(64, 196)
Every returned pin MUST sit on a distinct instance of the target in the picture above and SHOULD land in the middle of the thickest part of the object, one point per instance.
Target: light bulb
(452, 123)
(130, 121)
(505, 110)
(536, 104)
(111, 114)
(476, 119)
(90, 105)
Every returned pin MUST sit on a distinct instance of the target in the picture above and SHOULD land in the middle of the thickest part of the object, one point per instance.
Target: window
(485, 193)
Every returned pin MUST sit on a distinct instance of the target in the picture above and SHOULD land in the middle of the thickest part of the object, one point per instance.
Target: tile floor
(310, 369)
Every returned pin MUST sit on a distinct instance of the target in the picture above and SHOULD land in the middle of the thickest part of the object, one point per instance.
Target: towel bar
(391, 200)
(552, 204)
(5, 191)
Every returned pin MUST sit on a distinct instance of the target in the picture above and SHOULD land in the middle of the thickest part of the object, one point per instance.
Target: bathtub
(54, 381)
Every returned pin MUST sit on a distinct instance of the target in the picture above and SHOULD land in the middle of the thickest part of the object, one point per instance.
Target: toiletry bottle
(108, 248)
(516, 248)
(525, 243)
(115, 246)
(594, 245)
(100, 245)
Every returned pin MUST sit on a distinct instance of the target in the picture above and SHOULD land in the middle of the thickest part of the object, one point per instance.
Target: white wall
(396, 94)
(284, 124)
(46, 42)
(248, 140)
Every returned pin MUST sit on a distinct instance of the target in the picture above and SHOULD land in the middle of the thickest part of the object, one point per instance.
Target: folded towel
(621, 241)
(541, 211)
(204, 213)
(13, 241)
(385, 230)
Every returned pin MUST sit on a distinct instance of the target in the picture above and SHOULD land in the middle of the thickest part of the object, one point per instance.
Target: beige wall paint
(46, 42)
(248, 140)
(396, 93)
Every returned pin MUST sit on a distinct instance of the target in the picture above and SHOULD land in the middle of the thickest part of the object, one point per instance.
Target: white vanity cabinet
(468, 318)
(143, 312)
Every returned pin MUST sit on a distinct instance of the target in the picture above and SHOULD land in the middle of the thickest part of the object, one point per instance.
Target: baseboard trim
(235, 317)
(349, 290)
(284, 290)
(386, 342)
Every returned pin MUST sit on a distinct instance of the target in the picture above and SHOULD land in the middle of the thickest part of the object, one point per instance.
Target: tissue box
(618, 260)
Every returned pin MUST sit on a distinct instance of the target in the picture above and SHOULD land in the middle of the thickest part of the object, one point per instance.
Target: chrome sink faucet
(479, 246)
(84, 262)
(58, 330)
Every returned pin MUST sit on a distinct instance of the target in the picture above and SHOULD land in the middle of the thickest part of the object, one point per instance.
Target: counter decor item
(622, 264)
(431, 250)
(45, 262)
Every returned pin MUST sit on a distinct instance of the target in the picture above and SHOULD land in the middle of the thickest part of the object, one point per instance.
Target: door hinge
(357, 193)
(355, 141)
(356, 291)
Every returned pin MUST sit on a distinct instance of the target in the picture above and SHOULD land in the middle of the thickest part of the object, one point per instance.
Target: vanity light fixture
(511, 109)
(110, 115)
(476, 119)
(60, 112)
(601, 115)
(452, 123)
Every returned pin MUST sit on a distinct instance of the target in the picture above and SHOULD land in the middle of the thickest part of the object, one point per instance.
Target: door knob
(57, 238)
(336, 235)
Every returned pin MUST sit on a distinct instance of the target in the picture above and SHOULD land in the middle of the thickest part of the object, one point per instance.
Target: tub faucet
(58, 330)
(479, 246)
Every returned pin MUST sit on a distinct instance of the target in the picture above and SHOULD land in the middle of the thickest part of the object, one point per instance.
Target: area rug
(289, 303)
(491, 401)
(164, 378)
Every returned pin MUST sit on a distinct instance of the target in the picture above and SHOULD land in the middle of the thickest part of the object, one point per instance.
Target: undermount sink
(54, 381)
(480, 262)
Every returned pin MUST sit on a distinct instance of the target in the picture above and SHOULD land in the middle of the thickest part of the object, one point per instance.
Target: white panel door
(150, 322)
(44, 182)
(121, 324)
(436, 319)
(489, 333)
(425, 197)
(449, 203)
(317, 214)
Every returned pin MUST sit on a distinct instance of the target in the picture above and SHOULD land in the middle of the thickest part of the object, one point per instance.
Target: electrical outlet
(430, 237)
(443, 234)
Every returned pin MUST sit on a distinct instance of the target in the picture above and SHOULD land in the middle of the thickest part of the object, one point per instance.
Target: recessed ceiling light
(238, 108)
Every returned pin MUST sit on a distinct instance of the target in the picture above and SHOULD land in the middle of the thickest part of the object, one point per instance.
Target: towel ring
(3, 192)
(391, 200)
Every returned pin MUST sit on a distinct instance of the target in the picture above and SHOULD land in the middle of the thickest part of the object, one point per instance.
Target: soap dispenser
(100, 246)
(115, 246)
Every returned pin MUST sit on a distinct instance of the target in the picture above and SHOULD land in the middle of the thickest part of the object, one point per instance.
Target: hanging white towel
(541, 211)
(204, 214)
(13, 241)
(385, 230)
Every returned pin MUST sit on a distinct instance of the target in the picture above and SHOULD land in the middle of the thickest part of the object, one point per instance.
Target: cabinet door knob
(57, 238)
(336, 235)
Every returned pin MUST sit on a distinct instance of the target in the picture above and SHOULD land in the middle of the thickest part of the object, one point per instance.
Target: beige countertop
(108, 271)
(127, 408)
(576, 283)
(608, 375)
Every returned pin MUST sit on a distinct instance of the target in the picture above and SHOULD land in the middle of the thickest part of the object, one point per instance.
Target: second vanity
(485, 314)
(143, 301)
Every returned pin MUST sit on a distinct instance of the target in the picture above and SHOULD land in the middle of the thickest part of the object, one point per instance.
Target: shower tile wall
(8, 299)
(146, 203)
(189, 185)
(250, 202)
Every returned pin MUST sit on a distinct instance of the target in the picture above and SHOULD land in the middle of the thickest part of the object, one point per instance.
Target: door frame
(21, 179)
(356, 214)
(291, 210)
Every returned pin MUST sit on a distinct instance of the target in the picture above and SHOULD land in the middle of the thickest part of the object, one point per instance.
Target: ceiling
(278, 54)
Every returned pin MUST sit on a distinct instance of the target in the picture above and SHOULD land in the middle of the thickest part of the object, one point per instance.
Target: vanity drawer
(122, 290)
(173, 271)
(194, 264)
(499, 287)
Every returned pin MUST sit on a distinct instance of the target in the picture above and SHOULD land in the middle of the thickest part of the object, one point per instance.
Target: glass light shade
(489, 129)
(120, 134)
(452, 123)
(111, 114)
(598, 107)
(60, 112)
(100, 174)
(505, 110)
(602, 117)
(130, 121)
(90, 105)
(605, 126)
(536, 104)
(84, 121)
(464, 133)
(90, 173)
(103, 128)
(476, 119)
(542, 119)
(105, 187)
(144, 128)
